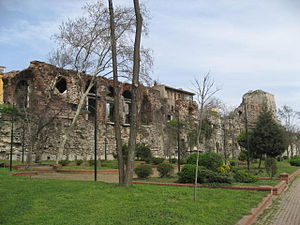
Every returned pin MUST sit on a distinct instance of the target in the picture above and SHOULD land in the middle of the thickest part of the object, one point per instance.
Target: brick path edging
(278, 189)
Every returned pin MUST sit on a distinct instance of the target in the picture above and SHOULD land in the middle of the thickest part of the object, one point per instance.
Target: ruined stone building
(48, 96)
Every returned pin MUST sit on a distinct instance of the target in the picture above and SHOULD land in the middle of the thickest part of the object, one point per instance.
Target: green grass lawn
(283, 167)
(42, 201)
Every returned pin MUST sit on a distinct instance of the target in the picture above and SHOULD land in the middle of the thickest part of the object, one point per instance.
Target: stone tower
(253, 102)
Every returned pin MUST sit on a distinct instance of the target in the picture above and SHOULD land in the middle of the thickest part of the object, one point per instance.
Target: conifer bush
(143, 171)
(165, 169)
(244, 177)
(295, 161)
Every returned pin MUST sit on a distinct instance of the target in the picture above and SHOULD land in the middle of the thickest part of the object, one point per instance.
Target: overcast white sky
(245, 44)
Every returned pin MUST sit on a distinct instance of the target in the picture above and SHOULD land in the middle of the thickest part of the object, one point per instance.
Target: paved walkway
(285, 210)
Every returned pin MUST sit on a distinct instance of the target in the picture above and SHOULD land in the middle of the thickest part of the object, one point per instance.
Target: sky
(243, 44)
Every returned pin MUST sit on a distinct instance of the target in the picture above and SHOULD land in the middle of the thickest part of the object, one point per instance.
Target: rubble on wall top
(176, 89)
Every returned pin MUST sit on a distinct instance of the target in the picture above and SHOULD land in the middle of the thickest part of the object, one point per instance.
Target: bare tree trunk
(225, 142)
(135, 95)
(198, 146)
(116, 96)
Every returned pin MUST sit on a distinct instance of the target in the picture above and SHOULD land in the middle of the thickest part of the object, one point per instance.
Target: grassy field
(283, 167)
(42, 201)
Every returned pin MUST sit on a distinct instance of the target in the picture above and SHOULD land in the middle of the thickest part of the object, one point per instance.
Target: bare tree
(205, 89)
(87, 42)
(289, 117)
(135, 94)
(229, 137)
(116, 96)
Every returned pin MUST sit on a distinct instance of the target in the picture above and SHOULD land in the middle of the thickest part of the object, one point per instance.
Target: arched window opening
(21, 94)
(110, 91)
(127, 94)
(110, 112)
(91, 108)
(146, 111)
(61, 85)
(127, 112)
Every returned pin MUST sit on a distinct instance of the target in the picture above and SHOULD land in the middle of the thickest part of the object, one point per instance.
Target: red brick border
(24, 174)
(255, 212)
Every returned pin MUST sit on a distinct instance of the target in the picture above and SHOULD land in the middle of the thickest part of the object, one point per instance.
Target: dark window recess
(110, 91)
(61, 85)
(92, 108)
(93, 89)
(127, 113)
(110, 112)
(191, 111)
(169, 117)
(146, 112)
(127, 94)
(74, 107)
(21, 94)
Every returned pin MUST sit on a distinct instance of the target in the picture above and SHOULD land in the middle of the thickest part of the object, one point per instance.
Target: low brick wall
(25, 174)
(255, 212)
(278, 189)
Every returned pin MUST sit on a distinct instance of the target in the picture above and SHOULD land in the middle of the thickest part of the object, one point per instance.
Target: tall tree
(117, 118)
(268, 136)
(135, 94)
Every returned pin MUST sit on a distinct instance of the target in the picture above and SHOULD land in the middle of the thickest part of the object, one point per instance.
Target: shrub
(64, 162)
(148, 160)
(157, 161)
(295, 161)
(187, 175)
(243, 156)
(165, 169)
(224, 169)
(209, 160)
(143, 151)
(183, 161)
(232, 162)
(91, 162)
(172, 160)
(285, 157)
(143, 171)
(79, 162)
(244, 177)
(214, 177)
(271, 166)
(192, 159)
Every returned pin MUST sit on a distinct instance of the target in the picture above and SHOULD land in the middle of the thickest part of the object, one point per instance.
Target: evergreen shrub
(143, 171)
(210, 160)
(244, 177)
(157, 161)
(295, 161)
(187, 175)
(64, 162)
(165, 169)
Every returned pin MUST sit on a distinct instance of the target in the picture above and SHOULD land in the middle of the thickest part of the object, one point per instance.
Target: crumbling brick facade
(45, 89)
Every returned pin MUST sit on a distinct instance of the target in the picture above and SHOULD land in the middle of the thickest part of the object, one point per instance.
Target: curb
(278, 189)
